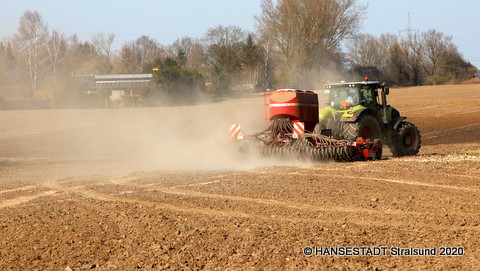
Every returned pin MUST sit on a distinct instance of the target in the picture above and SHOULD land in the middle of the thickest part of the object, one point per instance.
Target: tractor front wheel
(407, 140)
(322, 126)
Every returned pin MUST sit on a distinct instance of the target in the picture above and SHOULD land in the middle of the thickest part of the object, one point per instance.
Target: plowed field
(162, 189)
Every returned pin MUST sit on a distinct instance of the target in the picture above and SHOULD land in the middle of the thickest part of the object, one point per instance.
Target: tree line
(428, 57)
(297, 44)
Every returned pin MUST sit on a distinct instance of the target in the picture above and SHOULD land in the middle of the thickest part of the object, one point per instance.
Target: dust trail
(93, 141)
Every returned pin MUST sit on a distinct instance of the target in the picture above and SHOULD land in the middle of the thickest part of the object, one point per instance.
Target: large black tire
(379, 152)
(407, 140)
(366, 127)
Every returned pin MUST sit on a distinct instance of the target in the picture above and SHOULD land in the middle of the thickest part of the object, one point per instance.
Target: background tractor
(360, 109)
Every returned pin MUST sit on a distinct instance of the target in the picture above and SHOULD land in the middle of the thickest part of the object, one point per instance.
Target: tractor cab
(348, 100)
(348, 95)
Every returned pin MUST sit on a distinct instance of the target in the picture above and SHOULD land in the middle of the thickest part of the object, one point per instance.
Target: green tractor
(355, 109)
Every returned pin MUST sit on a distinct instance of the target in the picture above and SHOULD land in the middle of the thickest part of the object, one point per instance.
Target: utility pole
(409, 30)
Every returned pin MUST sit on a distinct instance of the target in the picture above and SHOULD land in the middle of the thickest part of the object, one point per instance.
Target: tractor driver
(352, 99)
(349, 100)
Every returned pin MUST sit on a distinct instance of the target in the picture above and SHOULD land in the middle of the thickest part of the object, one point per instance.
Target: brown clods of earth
(161, 189)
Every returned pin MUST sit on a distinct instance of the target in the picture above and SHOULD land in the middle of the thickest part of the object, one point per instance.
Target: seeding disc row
(338, 153)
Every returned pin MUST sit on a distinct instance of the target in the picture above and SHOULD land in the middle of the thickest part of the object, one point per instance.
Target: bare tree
(225, 35)
(136, 55)
(56, 46)
(127, 61)
(305, 32)
(103, 43)
(363, 51)
(252, 61)
(224, 54)
(148, 50)
(196, 58)
(385, 42)
(30, 41)
(266, 49)
(413, 49)
(266, 45)
(181, 49)
(435, 47)
(189, 52)
(82, 58)
(397, 68)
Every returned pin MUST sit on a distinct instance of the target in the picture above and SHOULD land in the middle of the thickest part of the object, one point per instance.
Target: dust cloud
(111, 141)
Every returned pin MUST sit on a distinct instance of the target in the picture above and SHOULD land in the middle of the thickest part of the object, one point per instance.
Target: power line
(448, 19)
(474, 58)
(476, 46)
(468, 40)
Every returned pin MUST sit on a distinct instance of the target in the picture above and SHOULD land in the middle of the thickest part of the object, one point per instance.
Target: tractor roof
(362, 83)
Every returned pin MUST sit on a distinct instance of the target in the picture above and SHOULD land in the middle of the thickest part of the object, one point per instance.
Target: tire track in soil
(28, 187)
(182, 192)
(451, 187)
(176, 190)
(442, 186)
(23, 199)
(95, 195)
(128, 181)
(435, 134)
(79, 190)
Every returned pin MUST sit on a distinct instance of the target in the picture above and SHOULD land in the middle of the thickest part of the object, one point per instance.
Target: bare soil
(162, 189)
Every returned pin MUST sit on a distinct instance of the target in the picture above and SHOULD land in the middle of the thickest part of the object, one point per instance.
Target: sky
(166, 21)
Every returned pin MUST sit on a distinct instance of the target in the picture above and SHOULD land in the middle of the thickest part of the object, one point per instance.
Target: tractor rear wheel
(366, 127)
(407, 140)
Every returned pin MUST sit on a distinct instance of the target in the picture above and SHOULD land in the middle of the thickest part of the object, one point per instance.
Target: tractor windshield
(344, 97)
